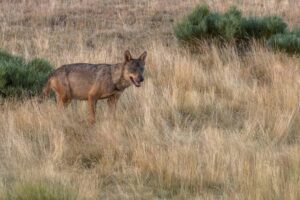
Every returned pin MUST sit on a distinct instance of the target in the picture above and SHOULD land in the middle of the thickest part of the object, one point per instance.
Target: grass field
(214, 125)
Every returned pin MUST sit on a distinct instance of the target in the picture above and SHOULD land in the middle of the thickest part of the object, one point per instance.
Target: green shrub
(296, 32)
(204, 24)
(287, 42)
(41, 190)
(261, 27)
(19, 78)
(194, 25)
(231, 26)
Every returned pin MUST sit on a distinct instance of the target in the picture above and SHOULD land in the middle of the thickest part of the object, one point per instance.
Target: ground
(215, 125)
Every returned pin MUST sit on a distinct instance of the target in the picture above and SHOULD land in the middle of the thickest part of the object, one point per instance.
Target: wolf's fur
(85, 81)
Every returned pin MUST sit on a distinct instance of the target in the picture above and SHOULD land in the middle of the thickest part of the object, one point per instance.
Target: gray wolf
(91, 82)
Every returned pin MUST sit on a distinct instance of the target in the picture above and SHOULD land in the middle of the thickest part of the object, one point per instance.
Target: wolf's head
(134, 68)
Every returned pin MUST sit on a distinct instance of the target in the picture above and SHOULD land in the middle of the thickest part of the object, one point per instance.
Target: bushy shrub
(287, 42)
(194, 25)
(296, 31)
(204, 24)
(41, 190)
(262, 27)
(19, 78)
(231, 26)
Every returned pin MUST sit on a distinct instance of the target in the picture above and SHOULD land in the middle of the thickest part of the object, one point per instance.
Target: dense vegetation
(40, 190)
(288, 42)
(232, 27)
(20, 78)
(214, 126)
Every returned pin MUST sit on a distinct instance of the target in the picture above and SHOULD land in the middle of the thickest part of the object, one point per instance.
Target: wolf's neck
(117, 77)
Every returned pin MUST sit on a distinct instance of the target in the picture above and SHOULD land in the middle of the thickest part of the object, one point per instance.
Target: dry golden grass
(209, 126)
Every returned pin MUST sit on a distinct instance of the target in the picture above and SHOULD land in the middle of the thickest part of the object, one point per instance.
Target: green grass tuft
(41, 190)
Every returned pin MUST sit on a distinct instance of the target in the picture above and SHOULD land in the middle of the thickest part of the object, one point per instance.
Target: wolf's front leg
(112, 104)
(92, 109)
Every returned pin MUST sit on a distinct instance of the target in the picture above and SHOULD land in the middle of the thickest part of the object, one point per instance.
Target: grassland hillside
(213, 125)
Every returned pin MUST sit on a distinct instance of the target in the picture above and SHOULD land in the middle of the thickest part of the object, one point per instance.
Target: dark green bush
(287, 42)
(231, 26)
(19, 78)
(204, 24)
(296, 32)
(261, 27)
(41, 190)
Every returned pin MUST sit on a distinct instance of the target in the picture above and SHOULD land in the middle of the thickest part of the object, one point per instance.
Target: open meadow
(210, 125)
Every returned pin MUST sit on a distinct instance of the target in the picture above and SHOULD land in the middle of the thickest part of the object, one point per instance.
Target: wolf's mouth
(137, 84)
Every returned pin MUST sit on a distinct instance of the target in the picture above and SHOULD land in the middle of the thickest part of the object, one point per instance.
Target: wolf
(91, 82)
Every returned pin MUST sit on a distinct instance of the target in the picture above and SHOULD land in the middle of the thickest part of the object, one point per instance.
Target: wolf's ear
(127, 56)
(143, 56)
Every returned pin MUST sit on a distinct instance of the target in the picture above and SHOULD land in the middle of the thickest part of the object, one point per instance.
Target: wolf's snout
(141, 79)
(137, 81)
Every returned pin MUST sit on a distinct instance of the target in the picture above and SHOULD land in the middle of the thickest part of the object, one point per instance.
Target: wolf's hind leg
(59, 100)
(66, 100)
(62, 99)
